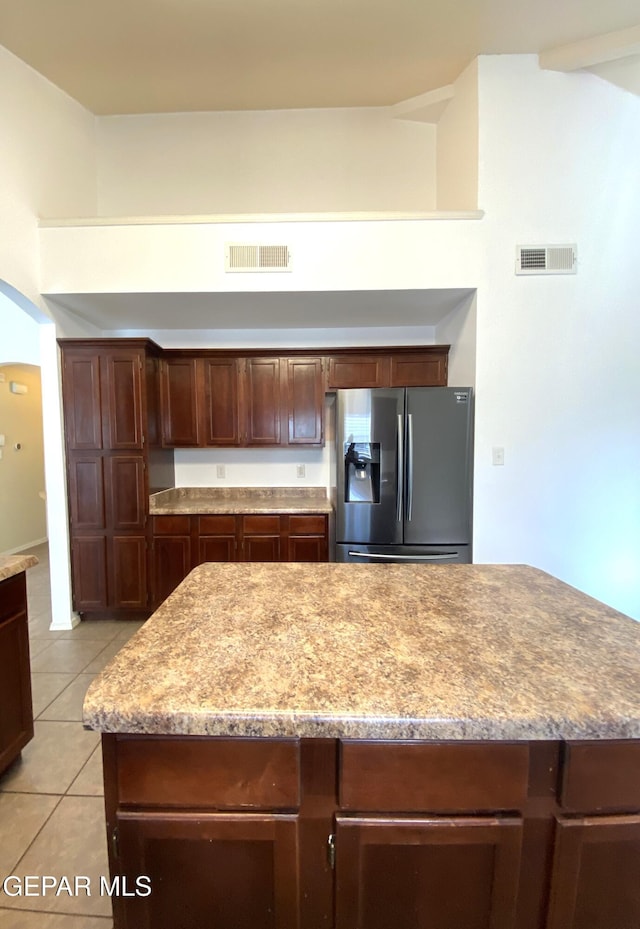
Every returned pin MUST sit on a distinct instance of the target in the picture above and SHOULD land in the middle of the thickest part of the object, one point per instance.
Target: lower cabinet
(304, 834)
(180, 543)
(109, 572)
(16, 714)
(234, 870)
(596, 873)
(449, 872)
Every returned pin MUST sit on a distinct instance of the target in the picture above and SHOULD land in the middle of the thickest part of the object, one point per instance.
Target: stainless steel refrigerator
(404, 474)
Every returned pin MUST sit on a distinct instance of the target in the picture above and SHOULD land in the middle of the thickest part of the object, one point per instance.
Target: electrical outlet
(300, 470)
(221, 471)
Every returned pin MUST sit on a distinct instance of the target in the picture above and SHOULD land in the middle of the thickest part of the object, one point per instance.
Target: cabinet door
(421, 369)
(232, 871)
(86, 491)
(596, 874)
(171, 564)
(217, 538)
(89, 572)
(308, 539)
(81, 391)
(179, 402)
(304, 400)
(127, 491)
(449, 873)
(221, 416)
(16, 716)
(358, 371)
(128, 574)
(262, 401)
(122, 372)
(261, 538)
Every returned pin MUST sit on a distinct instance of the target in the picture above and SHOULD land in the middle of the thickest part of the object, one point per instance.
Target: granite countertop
(210, 500)
(15, 564)
(375, 651)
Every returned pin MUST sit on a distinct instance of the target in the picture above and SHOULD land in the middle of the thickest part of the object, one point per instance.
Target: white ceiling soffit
(327, 310)
(597, 50)
(125, 57)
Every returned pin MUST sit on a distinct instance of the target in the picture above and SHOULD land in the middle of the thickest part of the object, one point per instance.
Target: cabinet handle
(331, 851)
(115, 843)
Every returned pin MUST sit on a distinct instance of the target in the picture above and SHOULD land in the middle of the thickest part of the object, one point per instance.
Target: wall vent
(257, 258)
(546, 259)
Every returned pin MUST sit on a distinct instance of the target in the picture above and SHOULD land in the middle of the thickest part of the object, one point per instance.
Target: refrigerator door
(369, 441)
(439, 466)
(404, 554)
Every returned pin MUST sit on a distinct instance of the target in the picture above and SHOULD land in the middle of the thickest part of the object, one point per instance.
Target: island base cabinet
(596, 874)
(234, 871)
(447, 873)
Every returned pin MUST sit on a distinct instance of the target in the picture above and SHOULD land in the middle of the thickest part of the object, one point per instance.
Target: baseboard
(23, 548)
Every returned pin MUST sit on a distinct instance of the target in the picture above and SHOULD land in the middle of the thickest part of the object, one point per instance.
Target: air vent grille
(257, 258)
(546, 259)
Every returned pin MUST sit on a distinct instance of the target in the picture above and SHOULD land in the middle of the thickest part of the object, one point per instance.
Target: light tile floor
(51, 799)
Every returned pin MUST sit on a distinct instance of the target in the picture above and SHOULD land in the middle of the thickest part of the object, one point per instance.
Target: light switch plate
(498, 455)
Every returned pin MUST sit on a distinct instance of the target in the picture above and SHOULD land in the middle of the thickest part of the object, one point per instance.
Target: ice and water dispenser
(362, 472)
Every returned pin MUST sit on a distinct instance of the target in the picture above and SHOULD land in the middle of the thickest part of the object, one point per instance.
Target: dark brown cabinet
(214, 399)
(426, 367)
(180, 543)
(180, 395)
(110, 407)
(367, 834)
(172, 559)
(595, 881)
(221, 406)
(421, 871)
(262, 401)
(16, 714)
(304, 379)
(236, 870)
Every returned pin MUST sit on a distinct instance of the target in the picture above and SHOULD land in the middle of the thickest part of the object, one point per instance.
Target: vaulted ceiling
(152, 56)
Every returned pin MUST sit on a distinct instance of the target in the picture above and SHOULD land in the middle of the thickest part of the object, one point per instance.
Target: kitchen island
(296, 745)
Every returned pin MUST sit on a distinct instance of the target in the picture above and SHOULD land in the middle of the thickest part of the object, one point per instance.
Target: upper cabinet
(179, 394)
(224, 400)
(423, 367)
(103, 398)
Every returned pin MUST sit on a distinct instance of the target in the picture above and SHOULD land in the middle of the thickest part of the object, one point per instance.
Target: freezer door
(439, 441)
(369, 445)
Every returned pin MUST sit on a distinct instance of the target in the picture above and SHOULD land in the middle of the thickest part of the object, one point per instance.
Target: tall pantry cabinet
(110, 397)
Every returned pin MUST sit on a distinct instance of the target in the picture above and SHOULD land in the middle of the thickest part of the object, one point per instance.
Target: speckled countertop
(15, 564)
(375, 651)
(209, 500)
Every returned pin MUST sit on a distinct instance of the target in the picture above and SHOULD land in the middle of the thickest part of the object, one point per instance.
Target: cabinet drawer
(13, 596)
(217, 525)
(171, 525)
(307, 525)
(261, 524)
(203, 772)
(433, 776)
(601, 775)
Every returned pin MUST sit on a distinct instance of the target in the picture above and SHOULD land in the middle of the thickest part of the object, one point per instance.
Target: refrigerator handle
(410, 466)
(437, 556)
(400, 485)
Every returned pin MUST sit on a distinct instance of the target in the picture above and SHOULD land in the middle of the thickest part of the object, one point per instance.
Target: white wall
(47, 168)
(19, 334)
(457, 146)
(272, 161)
(558, 377)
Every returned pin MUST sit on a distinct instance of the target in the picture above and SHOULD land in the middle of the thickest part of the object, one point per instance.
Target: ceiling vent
(257, 258)
(546, 259)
